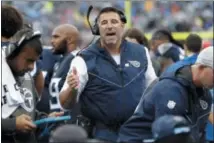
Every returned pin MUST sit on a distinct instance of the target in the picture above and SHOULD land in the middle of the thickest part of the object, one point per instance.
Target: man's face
(155, 44)
(110, 27)
(206, 77)
(58, 41)
(24, 62)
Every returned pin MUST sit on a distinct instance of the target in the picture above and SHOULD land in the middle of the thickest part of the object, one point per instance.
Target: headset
(95, 28)
(14, 48)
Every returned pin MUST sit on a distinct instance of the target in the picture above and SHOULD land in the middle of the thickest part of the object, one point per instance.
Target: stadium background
(179, 17)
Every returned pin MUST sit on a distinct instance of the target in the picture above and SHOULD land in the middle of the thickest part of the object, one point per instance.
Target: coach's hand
(73, 79)
(55, 114)
(24, 123)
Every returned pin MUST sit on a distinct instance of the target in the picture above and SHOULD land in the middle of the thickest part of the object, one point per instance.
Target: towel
(11, 96)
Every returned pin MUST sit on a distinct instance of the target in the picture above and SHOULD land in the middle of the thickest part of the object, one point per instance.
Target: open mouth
(111, 34)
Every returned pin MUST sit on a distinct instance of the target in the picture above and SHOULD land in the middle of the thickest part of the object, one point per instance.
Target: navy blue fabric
(191, 60)
(173, 53)
(48, 60)
(46, 64)
(210, 126)
(187, 61)
(113, 91)
(170, 88)
(166, 125)
(61, 69)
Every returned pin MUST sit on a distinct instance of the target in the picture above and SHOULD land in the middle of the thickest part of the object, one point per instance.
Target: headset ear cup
(122, 16)
(9, 51)
(123, 19)
(96, 29)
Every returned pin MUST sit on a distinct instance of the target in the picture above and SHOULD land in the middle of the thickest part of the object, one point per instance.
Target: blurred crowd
(146, 15)
(156, 90)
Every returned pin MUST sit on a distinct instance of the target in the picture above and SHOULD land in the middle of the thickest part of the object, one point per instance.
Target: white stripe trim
(116, 83)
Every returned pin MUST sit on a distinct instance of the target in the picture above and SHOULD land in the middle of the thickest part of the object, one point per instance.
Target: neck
(3, 39)
(195, 79)
(112, 48)
(71, 48)
(188, 53)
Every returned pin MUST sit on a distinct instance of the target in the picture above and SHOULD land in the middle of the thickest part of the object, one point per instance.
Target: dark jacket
(47, 62)
(58, 78)
(171, 51)
(113, 91)
(174, 94)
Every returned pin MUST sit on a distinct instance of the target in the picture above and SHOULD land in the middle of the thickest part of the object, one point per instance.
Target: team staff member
(19, 100)
(65, 42)
(166, 49)
(182, 92)
(110, 76)
(192, 46)
(11, 22)
(36, 73)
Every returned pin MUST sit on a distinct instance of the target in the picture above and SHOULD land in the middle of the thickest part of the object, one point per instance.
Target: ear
(201, 67)
(69, 41)
(123, 25)
(185, 47)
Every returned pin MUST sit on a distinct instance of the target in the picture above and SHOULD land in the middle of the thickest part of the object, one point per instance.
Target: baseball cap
(205, 57)
(68, 134)
(168, 125)
(206, 44)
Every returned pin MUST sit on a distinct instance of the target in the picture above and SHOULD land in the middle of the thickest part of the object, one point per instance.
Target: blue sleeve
(171, 99)
(161, 100)
(138, 127)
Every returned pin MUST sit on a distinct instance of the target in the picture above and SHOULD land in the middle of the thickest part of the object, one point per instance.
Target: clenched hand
(24, 123)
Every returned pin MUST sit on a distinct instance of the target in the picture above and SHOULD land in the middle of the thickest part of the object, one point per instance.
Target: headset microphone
(88, 14)
(95, 28)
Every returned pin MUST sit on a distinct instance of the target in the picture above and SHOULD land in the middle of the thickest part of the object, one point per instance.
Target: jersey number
(54, 92)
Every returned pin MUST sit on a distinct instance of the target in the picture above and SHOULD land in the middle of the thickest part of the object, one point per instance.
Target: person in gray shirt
(19, 110)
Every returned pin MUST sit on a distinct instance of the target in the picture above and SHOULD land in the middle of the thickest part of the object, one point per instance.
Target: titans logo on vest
(28, 104)
(135, 63)
(204, 104)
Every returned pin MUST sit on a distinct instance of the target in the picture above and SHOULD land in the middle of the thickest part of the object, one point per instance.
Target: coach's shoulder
(135, 47)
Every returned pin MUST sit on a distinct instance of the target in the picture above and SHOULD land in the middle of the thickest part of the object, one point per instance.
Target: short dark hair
(138, 35)
(193, 43)
(110, 9)
(34, 42)
(165, 34)
(11, 21)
